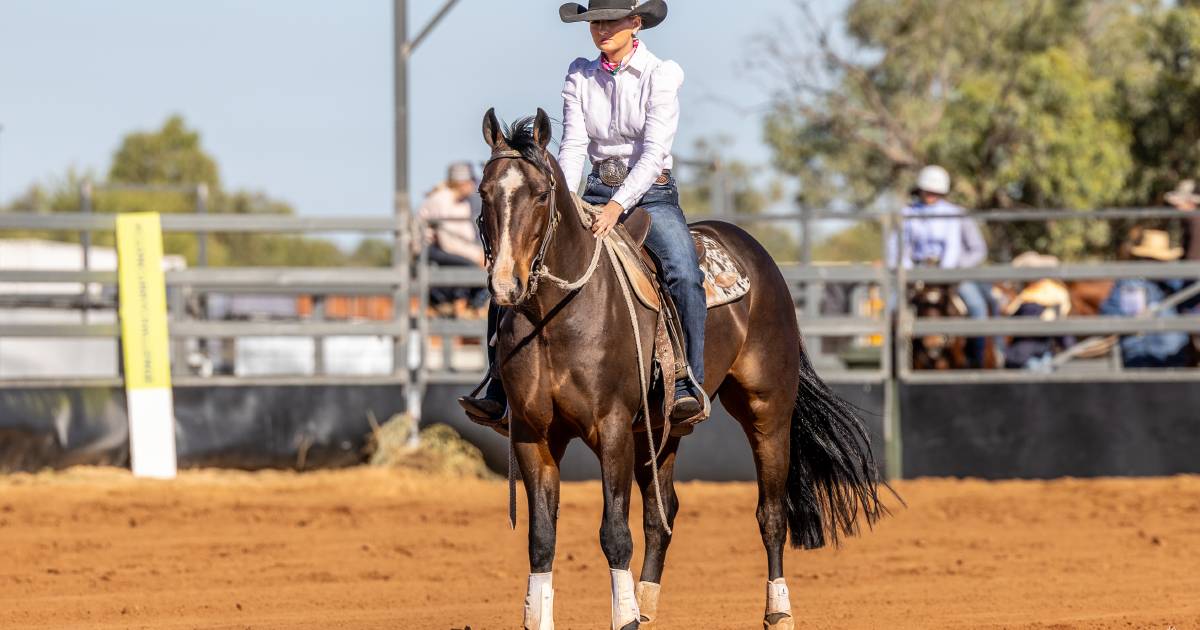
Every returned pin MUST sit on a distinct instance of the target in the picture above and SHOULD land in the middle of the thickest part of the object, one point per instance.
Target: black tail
(832, 473)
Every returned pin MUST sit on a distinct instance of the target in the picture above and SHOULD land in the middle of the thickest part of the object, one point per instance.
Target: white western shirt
(632, 116)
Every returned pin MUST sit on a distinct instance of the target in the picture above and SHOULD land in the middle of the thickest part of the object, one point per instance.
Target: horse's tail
(832, 473)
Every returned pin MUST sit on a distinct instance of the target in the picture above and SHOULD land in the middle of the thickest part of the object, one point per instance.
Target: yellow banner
(143, 294)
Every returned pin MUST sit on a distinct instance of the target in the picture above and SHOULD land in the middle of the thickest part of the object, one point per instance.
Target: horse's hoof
(632, 625)
(778, 621)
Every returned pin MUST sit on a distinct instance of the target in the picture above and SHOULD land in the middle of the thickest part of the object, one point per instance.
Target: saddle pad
(724, 281)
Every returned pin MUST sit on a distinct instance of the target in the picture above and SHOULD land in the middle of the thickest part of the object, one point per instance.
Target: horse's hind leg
(657, 538)
(615, 450)
(538, 459)
(766, 419)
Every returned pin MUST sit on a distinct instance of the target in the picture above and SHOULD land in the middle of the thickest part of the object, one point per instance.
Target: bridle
(536, 268)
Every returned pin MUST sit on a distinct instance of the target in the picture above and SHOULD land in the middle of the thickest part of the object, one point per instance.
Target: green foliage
(734, 181)
(861, 242)
(1164, 110)
(162, 171)
(171, 155)
(372, 252)
(1028, 103)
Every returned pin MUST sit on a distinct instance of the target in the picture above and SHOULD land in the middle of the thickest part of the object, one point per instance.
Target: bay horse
(939, 351)
(565, 359)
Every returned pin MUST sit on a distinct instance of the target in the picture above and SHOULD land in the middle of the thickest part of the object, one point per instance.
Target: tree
(172, 155)
(161, 171)
(372, 252)
(735, 181)
(1162, 103)
(1017, 98)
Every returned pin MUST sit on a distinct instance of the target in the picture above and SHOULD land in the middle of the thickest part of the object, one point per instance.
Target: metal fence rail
(411, 361)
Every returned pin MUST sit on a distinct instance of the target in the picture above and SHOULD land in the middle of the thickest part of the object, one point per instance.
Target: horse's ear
(542, 132)
(493, 134)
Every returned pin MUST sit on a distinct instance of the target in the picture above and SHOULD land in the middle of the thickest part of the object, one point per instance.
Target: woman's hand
(607, 219)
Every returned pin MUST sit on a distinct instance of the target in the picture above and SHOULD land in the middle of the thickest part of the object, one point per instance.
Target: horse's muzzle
(509, 292)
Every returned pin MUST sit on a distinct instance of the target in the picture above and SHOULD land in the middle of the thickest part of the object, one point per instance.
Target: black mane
(519, 137)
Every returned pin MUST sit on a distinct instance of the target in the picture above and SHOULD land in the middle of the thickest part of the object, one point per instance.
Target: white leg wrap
(539, 602)
(777, 597)
(624, 601)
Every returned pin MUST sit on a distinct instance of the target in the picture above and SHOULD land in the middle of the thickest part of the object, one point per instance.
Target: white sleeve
(952, 251)
(572, 150)
(662, 121)
(974, 249)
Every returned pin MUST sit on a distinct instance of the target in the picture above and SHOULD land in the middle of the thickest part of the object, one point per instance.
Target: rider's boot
(489, 409)
(688, 402)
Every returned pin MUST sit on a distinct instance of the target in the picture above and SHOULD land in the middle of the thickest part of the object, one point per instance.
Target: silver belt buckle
(613, 172)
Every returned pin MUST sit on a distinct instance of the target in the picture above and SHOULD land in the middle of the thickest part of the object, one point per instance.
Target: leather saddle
(724, 282)
(724, 279)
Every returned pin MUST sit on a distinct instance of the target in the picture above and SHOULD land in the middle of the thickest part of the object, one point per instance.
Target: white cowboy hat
(1156, 245)
(1184, 193)
(1050, 294)
(1034, 259)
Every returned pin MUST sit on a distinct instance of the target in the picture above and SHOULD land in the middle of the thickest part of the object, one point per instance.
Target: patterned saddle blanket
(724, 280)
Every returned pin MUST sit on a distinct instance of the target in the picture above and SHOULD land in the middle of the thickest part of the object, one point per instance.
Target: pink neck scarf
(614, 68)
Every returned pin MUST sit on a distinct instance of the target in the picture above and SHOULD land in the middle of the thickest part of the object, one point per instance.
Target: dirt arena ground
(369, 548)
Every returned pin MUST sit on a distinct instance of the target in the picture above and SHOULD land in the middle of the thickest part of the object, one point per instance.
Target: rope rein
(637, 340)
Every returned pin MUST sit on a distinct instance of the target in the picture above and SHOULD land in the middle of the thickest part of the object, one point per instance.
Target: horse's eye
(543, 197)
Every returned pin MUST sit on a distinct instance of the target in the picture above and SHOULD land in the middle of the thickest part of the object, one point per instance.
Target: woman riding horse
(571, 334)
(621, 110)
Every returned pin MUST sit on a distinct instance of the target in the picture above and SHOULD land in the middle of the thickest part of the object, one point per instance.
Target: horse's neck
(571, 250)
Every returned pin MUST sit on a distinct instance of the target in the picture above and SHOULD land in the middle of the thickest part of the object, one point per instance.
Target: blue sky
(294, 97)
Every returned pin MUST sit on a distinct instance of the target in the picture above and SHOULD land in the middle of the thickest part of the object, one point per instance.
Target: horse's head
(518, 191)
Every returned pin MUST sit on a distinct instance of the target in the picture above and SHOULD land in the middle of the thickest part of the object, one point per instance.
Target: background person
(1138, 297)
(948, 242)
(1185, 199)
(1046, 299)
(452, 239)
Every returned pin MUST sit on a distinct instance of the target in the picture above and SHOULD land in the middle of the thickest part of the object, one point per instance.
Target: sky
(294, 97)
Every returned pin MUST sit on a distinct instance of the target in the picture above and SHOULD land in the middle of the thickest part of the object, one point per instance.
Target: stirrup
(684, 420)
(485, 411)
(482, 412)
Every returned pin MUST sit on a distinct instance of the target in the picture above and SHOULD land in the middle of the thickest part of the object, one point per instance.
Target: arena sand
(372, 548)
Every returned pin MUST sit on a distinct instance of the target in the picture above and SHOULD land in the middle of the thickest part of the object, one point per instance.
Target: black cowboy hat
(653, 12)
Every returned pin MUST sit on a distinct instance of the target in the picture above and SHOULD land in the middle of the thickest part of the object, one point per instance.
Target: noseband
(535, 268)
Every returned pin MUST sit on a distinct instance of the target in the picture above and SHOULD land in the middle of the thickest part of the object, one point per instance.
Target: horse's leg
(657, 538)
(766, 416)
(615, 450)
(538, 459)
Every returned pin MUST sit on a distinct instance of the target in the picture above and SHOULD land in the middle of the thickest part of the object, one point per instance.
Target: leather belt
(613, 172)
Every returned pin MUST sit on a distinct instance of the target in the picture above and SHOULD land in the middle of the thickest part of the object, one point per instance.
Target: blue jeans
(671, 245)
(975, 296)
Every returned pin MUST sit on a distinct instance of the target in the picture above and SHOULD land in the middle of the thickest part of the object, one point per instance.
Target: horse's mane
(519, 137)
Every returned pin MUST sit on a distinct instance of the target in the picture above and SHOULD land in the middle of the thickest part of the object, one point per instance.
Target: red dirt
(371, 549)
